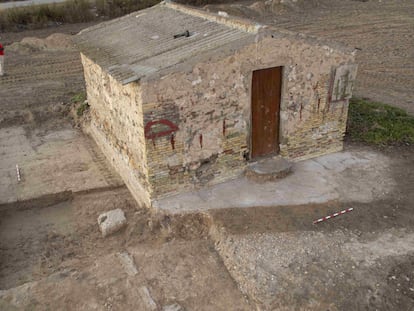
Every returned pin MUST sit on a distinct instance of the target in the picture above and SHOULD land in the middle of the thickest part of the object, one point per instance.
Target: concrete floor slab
(50, 162)
(356, 175)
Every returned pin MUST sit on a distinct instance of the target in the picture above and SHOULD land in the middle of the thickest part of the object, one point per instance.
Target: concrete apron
(351, 176)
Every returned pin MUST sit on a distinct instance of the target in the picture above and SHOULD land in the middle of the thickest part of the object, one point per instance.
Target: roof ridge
(232, 22)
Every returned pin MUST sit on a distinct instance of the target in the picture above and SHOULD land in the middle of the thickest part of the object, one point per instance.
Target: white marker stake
(18, 173)
(333, 215)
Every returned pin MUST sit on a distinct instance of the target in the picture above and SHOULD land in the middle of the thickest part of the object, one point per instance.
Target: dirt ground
(67, 265)
(52, 256)
(40, 78)
(353, 262)
(265, 258)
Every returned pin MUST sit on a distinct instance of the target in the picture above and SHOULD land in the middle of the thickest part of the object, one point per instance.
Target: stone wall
(205, 135)
(311, 123)
(117, 127)
(191, 128)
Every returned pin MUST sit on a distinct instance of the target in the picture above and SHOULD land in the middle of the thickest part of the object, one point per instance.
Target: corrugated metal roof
(141, 44)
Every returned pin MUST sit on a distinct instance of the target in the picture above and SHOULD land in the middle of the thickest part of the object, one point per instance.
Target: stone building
(182, 98)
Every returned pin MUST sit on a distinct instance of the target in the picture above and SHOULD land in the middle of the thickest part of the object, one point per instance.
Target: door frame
(281, 123)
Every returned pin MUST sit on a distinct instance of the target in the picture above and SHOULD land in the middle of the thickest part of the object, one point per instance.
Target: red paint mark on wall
(224, 127)
(172, 140)
(201, 140)
(149, 134)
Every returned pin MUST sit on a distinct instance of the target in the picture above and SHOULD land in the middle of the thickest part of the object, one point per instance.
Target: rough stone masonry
(173, 127)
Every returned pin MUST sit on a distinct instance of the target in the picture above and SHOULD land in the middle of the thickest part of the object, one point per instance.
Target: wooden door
(266, 90)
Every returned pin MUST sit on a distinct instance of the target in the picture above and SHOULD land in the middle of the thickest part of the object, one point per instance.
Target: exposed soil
(353, 262)
(8, 38)
(61, 245)
(394, 211)
(52, 255)
(43, 71)
(42, 239)
(362, 259)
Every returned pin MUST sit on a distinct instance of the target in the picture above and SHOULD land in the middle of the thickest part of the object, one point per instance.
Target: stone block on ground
(269, 169)
(173, 307)
(147, 299)
(127, 262)
(112, 221)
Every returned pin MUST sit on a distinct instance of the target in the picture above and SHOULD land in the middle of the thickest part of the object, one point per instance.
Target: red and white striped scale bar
(333, 215)
(18, 173)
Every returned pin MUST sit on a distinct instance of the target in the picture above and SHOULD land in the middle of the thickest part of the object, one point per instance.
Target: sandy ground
(52, 255)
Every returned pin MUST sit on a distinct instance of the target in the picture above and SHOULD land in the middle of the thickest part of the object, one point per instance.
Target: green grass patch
(78, 98)
(82, 108)
(81, 105)
(379, 124)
